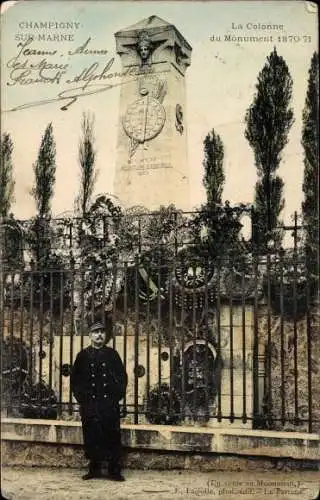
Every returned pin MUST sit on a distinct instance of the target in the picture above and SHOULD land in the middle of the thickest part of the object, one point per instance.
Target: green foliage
(87, 156)
(268, 120)
(287, 279)
(13, 244)
(48, 289)
(6, 175)
(46, 285)
(12, 233)
(264, 216)
(103, 239)
(216, 227)
(45, 172)
(310, 143)
(269, 117)
(39, 238)
(40, 233)
(214, 177)
(160, 228)
(215, 231)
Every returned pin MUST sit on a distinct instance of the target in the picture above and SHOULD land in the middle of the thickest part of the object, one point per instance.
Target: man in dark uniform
(98, 382)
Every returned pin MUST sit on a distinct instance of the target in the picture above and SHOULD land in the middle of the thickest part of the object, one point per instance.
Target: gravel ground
(26, 483)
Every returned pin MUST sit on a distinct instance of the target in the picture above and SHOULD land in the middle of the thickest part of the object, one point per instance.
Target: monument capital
(153, 41)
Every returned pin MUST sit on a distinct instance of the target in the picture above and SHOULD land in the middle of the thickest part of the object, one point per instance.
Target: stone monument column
(151, 163)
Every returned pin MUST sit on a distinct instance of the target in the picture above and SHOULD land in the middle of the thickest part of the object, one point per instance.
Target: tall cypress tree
(87, 157)
(220, 237)
(10, 234)
(214, 177)
(310, 143)
(46, 285)
(6, 175)
(45, 174)
(268, 121)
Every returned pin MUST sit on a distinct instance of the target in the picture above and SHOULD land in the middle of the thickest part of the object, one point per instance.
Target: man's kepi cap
(98, 325)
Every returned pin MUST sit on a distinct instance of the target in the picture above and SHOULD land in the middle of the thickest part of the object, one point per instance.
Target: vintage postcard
(159, 167)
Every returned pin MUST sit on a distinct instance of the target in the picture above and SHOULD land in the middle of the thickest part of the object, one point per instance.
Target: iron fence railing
(202, 340)
(130, 232)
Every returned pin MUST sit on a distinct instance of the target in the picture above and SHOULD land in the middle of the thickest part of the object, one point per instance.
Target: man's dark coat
(98, 382)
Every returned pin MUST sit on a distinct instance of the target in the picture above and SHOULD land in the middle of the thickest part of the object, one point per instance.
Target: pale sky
(220, 86)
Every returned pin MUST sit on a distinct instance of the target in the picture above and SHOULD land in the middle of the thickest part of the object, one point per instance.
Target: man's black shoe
(116, 477)
(91, 475)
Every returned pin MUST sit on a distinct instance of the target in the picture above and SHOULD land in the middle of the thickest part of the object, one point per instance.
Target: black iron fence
(120, 235)
(203, 339)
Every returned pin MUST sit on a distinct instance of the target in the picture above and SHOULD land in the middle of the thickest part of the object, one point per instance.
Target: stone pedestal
(151, 163)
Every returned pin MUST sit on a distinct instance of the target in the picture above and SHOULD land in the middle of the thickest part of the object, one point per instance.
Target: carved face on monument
(144, 47)
(144, 51)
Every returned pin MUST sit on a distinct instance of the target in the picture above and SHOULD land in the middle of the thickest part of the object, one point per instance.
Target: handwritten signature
(25, 72)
